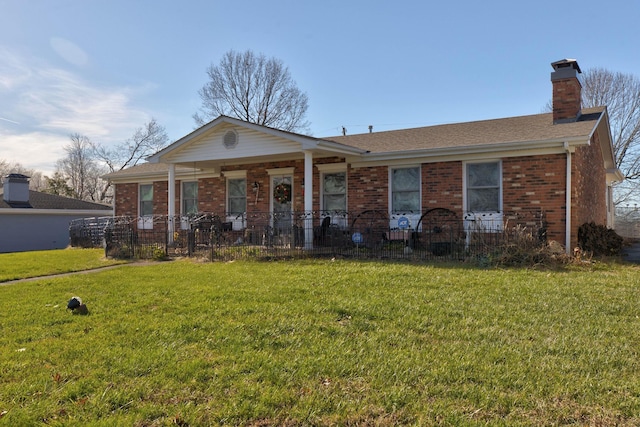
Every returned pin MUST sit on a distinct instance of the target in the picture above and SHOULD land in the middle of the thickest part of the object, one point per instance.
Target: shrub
(599, 240)
(521, 248)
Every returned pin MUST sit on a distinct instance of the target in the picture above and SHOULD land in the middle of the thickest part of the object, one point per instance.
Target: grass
(323, 343)
(21, 265)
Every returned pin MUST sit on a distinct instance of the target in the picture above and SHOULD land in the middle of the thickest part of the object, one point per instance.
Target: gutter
(502, 149)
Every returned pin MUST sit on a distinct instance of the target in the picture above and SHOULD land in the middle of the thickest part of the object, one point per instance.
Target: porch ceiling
(217, 164)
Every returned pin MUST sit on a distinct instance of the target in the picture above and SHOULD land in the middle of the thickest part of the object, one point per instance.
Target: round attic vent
(230, 139)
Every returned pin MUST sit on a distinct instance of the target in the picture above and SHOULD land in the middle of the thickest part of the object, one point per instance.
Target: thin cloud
(50, 104)
(69, 51)
(13, 71)
(63, 103)
(10, 121)
(34, 150)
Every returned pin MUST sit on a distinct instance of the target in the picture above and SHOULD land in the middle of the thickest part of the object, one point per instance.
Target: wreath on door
(282, 193)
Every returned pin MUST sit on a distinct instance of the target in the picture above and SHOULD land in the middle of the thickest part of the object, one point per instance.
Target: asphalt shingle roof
(510, 130)
(38, 200)
(537, 127)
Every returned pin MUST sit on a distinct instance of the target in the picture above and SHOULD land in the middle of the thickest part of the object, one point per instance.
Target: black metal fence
(436, 234)
(88, 232)
(627, 221)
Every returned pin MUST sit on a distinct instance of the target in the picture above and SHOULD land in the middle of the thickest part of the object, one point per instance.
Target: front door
(281, 202)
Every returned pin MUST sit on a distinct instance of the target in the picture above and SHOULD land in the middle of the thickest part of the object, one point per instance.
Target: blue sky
(102, 68)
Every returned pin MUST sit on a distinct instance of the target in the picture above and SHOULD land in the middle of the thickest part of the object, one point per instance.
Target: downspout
(568, 201)
(171, 196)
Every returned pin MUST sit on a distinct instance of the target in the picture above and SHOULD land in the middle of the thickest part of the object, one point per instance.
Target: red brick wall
(442, 186)
(368, 189)
(211, 195)
(531, 186)
(566, 98)
(590, 187)
(160, 197)
(260, 201)
(534, 186)
(126, 199)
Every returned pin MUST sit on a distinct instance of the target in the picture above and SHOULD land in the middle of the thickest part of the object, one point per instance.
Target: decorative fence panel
(438, 234)
(88, 232)
(627, 222)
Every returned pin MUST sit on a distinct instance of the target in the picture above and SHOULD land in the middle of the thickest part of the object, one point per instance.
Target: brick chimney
(16, 189)
(567, 91)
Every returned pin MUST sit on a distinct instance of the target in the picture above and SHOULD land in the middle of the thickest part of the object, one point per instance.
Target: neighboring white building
(31, 220)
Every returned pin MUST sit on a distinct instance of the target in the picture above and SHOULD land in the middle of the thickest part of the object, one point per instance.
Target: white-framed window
(146, 200)
(484, 187)
(189, 195)
(236, 196)
(145, 206)
(334, 191)
(483, 196)
(334, 197)
(405, 190)
(236, 182)
(405, 195)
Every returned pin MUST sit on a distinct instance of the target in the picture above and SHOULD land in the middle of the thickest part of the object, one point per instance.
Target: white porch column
(308, 199)
(171, 201)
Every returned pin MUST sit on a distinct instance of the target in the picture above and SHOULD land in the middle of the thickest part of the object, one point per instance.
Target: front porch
(439, 234)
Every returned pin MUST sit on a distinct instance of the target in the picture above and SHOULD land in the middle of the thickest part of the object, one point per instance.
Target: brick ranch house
(558, 165)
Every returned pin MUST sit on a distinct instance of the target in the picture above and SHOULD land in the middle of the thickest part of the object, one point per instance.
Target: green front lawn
(323, 343)
(21, 265)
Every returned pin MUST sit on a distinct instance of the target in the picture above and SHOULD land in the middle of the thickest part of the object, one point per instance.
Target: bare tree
(36, 181)
(79, 168)
(253, 88)
(620, 93)
(79, 173)
(147, 140)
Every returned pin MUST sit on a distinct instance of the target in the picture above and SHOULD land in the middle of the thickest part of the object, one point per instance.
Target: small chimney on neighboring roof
(567, 90)
(16, 188)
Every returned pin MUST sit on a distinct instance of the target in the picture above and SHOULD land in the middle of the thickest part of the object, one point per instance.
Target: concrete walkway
(92, 270)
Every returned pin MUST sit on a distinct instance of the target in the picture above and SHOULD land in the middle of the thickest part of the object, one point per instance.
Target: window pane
(190, 207)
(484, 200)
(406, 201)
(334, 202)
(237, 206)
(146, 192)
(406, 179)
(237, 187)
(146, 208)
(190, 190)
(335, 183)
(483, 175)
